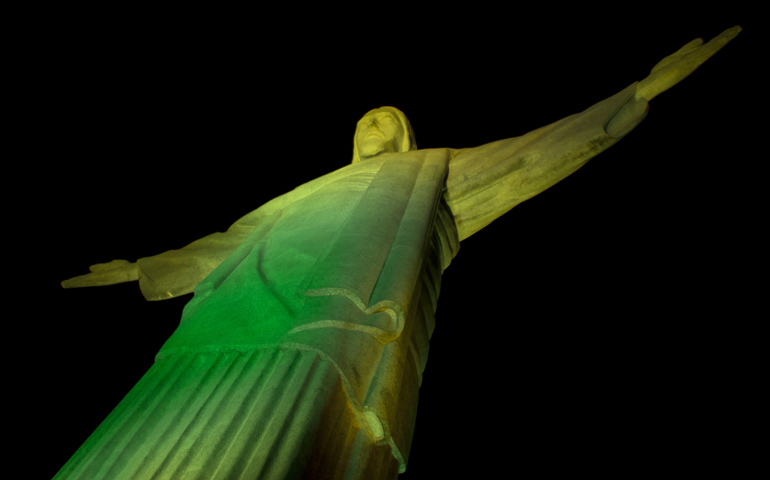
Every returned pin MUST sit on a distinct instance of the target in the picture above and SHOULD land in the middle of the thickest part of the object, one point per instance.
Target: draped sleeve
(177, 272)
(487, 181)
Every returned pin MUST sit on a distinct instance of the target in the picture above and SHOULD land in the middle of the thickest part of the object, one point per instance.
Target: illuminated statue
(301, 353)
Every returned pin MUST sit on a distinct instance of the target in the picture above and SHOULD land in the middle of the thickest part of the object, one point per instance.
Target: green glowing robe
(301, 353)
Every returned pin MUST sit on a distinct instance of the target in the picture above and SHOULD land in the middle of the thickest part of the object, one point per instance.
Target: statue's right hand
(116, 271)
(675, 67)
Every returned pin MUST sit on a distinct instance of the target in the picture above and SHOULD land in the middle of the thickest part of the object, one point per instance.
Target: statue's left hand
(110, 273)
(672, 69)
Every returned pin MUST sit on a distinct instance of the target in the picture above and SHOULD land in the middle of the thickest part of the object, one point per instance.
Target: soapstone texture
(302, 351)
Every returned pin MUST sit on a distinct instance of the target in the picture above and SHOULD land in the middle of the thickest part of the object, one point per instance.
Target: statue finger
(730, 33)
(676, 56)
(87, 280)
(697, 57)
(103, 267)
(127, 272)
(716, 43)
(689, 46)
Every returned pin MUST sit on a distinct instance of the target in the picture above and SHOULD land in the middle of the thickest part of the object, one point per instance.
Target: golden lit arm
(487, 181)
(175, 272)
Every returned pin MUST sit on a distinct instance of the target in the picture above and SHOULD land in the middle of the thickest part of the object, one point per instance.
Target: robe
(302, 351)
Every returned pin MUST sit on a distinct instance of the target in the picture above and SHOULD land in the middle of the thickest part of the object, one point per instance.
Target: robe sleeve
(177, 272)
(487, 181)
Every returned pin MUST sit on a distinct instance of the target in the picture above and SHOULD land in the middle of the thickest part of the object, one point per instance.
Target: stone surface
(469, 223)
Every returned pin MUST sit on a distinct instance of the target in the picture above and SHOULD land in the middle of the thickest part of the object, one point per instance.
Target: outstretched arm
(175, 272)
(487, 181)
(169, 274)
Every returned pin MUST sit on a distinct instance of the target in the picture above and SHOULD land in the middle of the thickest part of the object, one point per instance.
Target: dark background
(603, 326)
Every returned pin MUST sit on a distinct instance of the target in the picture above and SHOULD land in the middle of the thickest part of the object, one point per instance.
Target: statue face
(379, 132)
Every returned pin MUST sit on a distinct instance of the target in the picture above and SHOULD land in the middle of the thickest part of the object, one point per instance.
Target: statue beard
(370, 150)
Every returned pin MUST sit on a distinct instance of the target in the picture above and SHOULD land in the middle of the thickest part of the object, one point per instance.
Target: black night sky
(599, 327)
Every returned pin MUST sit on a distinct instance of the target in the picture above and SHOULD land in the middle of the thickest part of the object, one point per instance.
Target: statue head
(382, 130)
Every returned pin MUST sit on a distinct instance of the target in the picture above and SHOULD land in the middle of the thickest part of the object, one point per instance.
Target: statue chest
(350, 259)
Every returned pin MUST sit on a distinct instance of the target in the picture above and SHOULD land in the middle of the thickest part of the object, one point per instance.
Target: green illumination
(302, 352)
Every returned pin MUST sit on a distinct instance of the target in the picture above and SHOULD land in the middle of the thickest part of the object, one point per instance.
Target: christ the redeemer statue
(301, 353)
